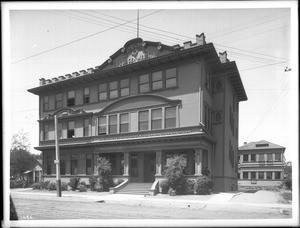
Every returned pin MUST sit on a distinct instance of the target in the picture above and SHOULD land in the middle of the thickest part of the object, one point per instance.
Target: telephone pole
(58, 180)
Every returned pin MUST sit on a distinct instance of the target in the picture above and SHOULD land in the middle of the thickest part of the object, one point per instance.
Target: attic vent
(262, 145)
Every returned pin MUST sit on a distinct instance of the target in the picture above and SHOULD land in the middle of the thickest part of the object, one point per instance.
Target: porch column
(198, 161)
(126, 164)
(158, 162)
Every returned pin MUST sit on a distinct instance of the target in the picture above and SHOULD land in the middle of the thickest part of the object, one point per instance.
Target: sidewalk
(258, 199)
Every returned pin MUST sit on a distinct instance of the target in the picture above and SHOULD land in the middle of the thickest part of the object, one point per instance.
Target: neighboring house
(261, 164)
(146, 103)
(34, 175)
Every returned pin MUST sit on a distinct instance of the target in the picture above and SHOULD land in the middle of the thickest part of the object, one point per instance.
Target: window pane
(113, 119)
(86, 91)
(143, 126)
(170, 123)
(103, 96)
(269, 175)
(277, 175)
(157, 76)
(46, 99)
(171, 112)
(269, 157)
(102, 87)
(277, 157)
(113, 124)
(172, 82)
(156, 114)
(260, 175)
(253, 175)
(124, 128)
(143, 115)
(113, 85)
(144, 78)
(245, 175)
(253, 157)
(124, 92)
(171, 73)
(59, 96)
(245, 158)
(156, 124)
(144, 88)
(124, 83)
(157, 85)
(102, 120)
(71, 94)
(124, 118)
(113, 129)
(71, 125)
(261, 157)
(113, 94)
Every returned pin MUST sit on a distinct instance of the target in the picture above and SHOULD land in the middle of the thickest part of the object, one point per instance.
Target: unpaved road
(50, 207)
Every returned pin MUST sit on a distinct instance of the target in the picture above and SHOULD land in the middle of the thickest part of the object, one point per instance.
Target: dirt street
(50, 207)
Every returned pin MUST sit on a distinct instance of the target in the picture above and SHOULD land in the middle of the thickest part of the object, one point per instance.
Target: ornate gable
(136, 50)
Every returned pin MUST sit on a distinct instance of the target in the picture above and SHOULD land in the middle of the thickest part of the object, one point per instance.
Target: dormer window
(86, 95)
(124, 87)
(144, 83)
(157, 82)
(113, 89)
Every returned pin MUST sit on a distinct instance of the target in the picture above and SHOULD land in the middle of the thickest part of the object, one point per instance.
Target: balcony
(151, 135)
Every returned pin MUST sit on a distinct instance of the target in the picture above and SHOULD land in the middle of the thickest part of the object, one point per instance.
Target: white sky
(257, 38)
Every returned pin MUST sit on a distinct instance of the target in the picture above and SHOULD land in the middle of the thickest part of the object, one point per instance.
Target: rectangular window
(261, 157)
(245, 175)
(277, 157)
(144, 83)
(59, 130)
(74, 164)
(253, 175)
(71, 98)
(88, 164)
(71, 129)
(171, 78)
(58, 101)
(156, 119)
(49, 164)
(86, 95)
(245, 158)
(170, 117)
(102, 92)
(124, 84)
(86, 124)
(260, 175)
(157, 82)
(102, 125)
(46, 103)
(253, 157)
(143, 120)
(124, 122)
(269, 157)
(277, 175)
(269, 175)
(46, 132)
(62, 165)
(113, 89)
(113, 124)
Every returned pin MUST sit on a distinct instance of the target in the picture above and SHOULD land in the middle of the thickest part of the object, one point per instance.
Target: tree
(287, 182)
(104, 173)
(20, 158)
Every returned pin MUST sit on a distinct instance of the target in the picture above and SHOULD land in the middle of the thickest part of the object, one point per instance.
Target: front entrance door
(149, 167)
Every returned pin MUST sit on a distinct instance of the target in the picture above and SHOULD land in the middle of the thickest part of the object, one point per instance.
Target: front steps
(136, 189)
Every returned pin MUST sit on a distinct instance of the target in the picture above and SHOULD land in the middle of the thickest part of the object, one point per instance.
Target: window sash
(103, 96)
(170, 117)
(102, 125)
(277, 175)
(46, 103)
(156, 119)
(144, 88)
(113, 124)
(113, 94)
(253, 175)
(86, 124)
(124, 83)
(277, 157)
(157, 85)
(260, 175)
(269, 175)
(124, 92)
(253, 157)
(71, 94)
(245, 175)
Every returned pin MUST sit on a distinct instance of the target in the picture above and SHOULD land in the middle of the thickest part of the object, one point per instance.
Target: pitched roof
(262, 144)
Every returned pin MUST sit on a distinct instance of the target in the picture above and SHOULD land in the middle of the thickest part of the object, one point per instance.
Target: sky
(46, 41)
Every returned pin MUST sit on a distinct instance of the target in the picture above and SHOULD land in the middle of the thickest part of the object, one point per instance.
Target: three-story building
(146, 103)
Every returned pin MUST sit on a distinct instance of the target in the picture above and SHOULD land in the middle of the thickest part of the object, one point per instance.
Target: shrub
(104, 173)
(19, 184)
(98, 187)
(164, 186)
(44, 184)
(82, 186)
(51, 186)
(74, 181)
(13, 212)
(203, 185)
(288, 183)
(189, 187)
(92, 182)
(174, 174)
(64, 186)
(172, 192)
(36, 185)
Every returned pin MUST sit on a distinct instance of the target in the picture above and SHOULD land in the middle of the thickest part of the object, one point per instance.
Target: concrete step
(136, 189)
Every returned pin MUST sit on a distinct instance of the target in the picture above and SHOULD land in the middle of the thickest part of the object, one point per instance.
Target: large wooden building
(147, 102)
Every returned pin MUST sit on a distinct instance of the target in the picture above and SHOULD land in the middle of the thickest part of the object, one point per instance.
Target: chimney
(54, 79)
(187, 44)
(42, 81)
(90, 70)
(75, 74)
(200, 39)
(223, 57)
(68, 76)
(48, 81)
(82, 72)
(61, 78)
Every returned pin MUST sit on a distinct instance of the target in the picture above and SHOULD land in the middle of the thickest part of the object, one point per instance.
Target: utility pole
(58, 180)
(138, 17)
